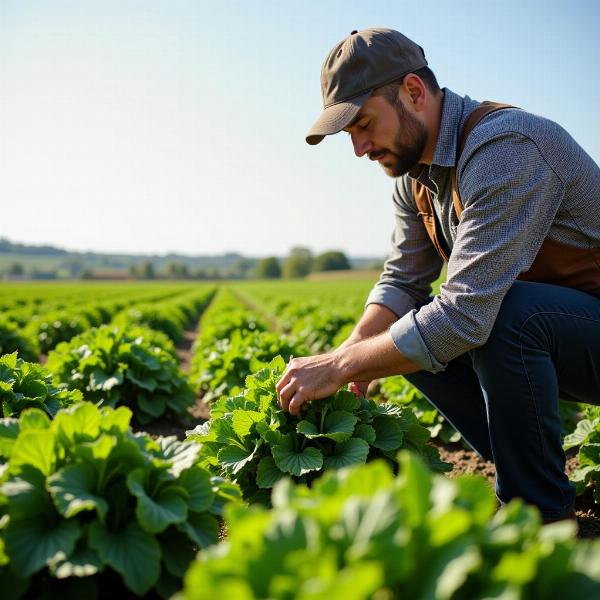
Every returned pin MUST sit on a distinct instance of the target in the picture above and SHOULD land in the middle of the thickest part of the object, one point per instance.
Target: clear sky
(156, 126)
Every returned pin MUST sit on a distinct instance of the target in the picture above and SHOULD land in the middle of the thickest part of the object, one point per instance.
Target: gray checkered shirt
(522, 178)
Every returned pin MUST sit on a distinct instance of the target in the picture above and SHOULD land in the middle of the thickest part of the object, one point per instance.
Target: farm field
(142, 454)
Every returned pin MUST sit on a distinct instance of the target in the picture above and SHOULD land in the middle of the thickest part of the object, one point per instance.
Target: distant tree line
(297, 264)
(300, 262)
(8, 246)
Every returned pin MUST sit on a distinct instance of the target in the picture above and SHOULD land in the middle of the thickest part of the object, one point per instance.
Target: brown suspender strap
(421, 193)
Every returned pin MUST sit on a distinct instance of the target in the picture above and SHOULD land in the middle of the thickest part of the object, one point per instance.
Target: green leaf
(153, 405)
(307, 429)
(32, 543)
(388, 433)
(416, 487)
(156, 514)
(182, 455)
(177, 552)
(243, 420)
(83, 562)
(35, 448)
(201, 528)
(583, 430)
(9, 360)
(235, 458)
(115, 420)
(351, 452)
(9, 431)
(267, 473)
(73, 491)
(345, 400)
(34, 419)
(131, 552)
(146, 383)
(99, 380)
(293, 462)
(338, 426)
(197, 483)
(365, 432)
(78, 422)
(26, 494)
(589, 455)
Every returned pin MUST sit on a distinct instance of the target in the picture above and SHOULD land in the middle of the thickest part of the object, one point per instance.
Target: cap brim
(335, 118)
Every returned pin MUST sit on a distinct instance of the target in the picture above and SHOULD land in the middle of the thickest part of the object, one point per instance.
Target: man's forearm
(373, 358)
(375, 320)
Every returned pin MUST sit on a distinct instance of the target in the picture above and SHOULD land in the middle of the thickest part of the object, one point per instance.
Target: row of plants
(172, 316)
(322, 314)
(233, 342)
(108, 507)
(362, 532)
(38, 328)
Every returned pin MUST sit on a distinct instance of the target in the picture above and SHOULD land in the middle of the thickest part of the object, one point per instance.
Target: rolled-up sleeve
(413, 263)
(510, 197)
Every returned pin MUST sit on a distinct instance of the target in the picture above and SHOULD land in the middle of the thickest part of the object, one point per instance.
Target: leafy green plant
(220, 369)
(28, 385)
(362, 533)
(83, 497)
(113, 367)
(587, 437)
(252, 441)
(54, 327)
(12, 339)
(170, 320)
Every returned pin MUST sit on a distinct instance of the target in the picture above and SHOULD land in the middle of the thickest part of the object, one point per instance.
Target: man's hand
(309, 378)
(317, 377)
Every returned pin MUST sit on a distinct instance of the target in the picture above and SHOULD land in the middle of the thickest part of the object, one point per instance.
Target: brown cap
(365, 60)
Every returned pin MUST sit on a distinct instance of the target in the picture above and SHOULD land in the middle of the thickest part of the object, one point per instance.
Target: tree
(147, 270)
(177, 270)
(16, 269)
(268, 268)
(298, 263)
(331, 261)
(244, 266)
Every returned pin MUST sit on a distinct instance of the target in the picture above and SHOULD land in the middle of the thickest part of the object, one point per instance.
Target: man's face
(389, 134)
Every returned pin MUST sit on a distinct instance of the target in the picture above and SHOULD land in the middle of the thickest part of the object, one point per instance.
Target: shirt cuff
(409, 342)
(391, 297)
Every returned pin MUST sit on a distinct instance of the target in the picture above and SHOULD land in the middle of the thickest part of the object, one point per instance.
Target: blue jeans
(503, 396)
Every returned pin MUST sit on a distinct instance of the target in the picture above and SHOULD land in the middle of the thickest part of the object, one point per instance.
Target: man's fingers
(296, 403)
(282, 382)
(286, 394)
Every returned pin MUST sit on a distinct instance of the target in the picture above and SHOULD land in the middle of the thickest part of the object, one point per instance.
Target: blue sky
(157, 126)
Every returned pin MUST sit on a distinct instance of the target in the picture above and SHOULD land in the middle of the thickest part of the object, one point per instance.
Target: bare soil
(467, 461)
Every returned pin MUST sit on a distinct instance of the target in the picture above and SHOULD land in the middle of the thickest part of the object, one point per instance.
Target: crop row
(38, 327)
(315, 506)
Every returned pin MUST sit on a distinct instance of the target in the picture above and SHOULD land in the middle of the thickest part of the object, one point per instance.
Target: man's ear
(416, 91)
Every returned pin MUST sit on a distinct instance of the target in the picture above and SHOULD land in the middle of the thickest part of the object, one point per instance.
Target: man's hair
(389, 91)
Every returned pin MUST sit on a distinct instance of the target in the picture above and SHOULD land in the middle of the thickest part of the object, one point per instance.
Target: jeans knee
(515, 310)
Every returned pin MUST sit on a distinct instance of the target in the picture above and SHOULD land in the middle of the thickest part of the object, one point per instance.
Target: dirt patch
(468, 462)
(184, 349)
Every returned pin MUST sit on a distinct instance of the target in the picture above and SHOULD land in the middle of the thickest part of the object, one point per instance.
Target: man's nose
(361, 144)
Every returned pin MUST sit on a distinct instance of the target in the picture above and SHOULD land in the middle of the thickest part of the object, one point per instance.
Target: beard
(409, 144)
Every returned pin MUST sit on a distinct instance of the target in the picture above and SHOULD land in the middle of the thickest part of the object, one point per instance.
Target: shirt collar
(453, 109)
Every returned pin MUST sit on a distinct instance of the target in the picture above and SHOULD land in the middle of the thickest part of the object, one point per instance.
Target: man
(513, 203)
